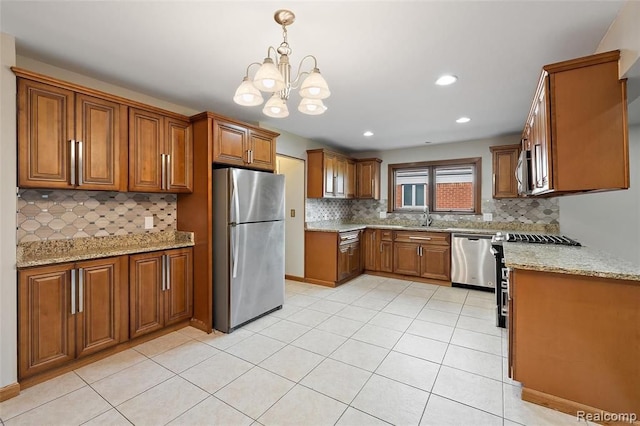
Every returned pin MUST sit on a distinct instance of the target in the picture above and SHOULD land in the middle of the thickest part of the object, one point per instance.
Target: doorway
(293, 170)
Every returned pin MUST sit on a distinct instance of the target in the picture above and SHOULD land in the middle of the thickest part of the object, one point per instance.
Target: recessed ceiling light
(463, 120)
(446, 80)
(368, 133)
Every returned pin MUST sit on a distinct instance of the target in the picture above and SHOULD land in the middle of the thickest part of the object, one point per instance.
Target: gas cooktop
(534, 238)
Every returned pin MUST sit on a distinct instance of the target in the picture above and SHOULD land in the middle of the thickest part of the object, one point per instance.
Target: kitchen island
(574, 322)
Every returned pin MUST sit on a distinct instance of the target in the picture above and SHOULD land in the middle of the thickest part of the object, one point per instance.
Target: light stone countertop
(569, 260)
(61, 251)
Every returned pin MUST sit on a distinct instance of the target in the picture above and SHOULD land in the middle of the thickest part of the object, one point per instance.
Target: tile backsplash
(64, 214)
(524, 210)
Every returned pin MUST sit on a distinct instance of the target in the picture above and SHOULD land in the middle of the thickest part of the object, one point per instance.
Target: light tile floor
(372, 351)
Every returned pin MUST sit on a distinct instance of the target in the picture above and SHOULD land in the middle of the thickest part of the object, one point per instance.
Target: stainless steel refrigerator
(248, 246)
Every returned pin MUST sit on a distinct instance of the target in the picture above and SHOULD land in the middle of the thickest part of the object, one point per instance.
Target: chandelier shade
(276, 107)
(314, 86)
(275, 77)
(247, 94)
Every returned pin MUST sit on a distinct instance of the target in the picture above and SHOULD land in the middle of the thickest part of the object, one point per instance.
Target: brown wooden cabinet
(160, 153)
(422, 254)
(333, 175)
(70, 140)
(368, 178)
(160, 286)
(377, 248)
(576, 129)
(236, 144)
(505, 160)
(69, 311)
(332, 258)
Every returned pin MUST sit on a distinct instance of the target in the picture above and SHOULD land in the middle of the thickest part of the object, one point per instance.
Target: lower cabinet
(378, 250)
(422, 254)
(160, 287)
(332, 258)
(69, 311)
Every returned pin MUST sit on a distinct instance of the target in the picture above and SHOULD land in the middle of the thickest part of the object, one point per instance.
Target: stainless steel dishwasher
(472, 263)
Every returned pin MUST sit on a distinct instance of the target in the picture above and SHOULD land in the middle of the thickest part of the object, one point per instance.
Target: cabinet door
(46, 328)
(180, 150)
(263, 151)
(505, 160)
(341, 175)
(178, 303)
(386, 256)
(102, 144)
(371, 252)
(146, 143)
(45, 131)
(343, 261)
(540, 134)
(436, 262)
(146, 312)
(367, 177)
(98, 322)
(406, 259)
(350, 179)
(329, 162)
(230, 144)
(355, 257)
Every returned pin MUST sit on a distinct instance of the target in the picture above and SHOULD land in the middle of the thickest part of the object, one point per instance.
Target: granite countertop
(60, 251)
(468, 228)
(569, 260)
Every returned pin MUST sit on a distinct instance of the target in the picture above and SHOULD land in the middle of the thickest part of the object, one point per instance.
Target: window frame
(475, 162)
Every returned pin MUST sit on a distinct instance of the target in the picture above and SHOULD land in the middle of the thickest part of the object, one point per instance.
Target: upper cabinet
(70, 140)
(333, 175)
(505, 160)
(237, 144)
(368, 178)
(576, 130)
(73, 137)
(160, 153)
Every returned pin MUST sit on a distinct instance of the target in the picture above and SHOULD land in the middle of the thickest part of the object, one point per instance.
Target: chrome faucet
(427, 218)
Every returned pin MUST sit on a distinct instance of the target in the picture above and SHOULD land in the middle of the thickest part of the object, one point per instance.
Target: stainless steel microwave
(523, 172)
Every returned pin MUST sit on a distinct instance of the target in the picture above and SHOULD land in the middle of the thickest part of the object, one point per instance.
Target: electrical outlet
(383, 215)
(487, 217)
(148, 222)
(326, 216)
(293, 212)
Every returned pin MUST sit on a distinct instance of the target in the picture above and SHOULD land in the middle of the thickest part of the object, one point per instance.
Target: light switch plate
(293, 212)
(487, 217)
(383, 215)
(148, 222)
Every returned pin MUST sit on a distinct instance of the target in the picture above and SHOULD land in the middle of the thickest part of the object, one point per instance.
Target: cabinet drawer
(386, 235)
(348, 237)
(442, 238)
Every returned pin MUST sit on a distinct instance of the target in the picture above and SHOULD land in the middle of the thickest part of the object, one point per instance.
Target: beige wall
(8, 288)
(293, 169)
(608, 221)
(445, 151)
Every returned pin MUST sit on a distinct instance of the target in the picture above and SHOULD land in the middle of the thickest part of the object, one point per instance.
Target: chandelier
(275, 77)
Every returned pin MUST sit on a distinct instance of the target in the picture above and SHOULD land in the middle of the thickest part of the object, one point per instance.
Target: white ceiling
(380, 58)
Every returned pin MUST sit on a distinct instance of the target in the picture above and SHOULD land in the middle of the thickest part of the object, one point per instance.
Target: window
(455, 186)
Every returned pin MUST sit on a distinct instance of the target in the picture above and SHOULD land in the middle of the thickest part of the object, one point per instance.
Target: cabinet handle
(80, 163)
(163, 171)
(72, 162)
(73, 292)
(168, 172)
(164, 271)
(420, 238)
(80, 290)
(373, 185)
(494, 182)
(418, 250)
(250, 156)
(168, 286)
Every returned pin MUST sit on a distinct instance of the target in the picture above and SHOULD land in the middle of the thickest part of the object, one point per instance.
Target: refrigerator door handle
(236, 205)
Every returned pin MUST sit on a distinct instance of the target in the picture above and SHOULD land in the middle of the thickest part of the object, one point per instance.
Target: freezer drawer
(472, 262)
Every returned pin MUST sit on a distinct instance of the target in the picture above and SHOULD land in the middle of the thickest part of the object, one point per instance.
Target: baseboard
(294, 278)
(571, 407)
(9, 391)
(320, 282)
(200, 325)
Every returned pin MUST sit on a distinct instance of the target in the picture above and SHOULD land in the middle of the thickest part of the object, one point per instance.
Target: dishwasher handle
(473, 237)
